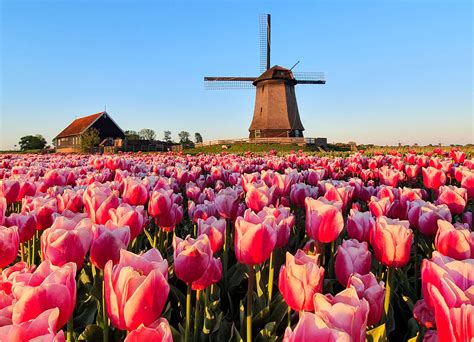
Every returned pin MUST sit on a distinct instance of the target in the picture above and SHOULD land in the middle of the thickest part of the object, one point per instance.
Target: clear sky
(397, 71)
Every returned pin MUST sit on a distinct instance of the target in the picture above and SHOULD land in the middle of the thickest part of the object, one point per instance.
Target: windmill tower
(276, 112)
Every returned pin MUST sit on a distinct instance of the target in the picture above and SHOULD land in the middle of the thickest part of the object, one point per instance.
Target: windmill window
(263, 87)
(261, 110)
(257, 133)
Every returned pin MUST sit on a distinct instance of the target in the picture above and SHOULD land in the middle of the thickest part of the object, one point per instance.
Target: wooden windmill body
(276, 110)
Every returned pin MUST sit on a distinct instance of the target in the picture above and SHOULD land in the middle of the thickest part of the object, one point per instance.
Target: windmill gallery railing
(279, 140)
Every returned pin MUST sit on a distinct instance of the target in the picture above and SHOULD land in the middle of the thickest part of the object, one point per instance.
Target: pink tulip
(215, 231)
(283, 219)
(136, 289)
(423, 315)
(368, 288)
(107, 242)
(379, 207)
(159, 330)
(433, 178)
(300, 191)
(352, 257)
(43, 208)
(126, 215)
(134, 192)
(340, 193)
(455, 198)
(425, 216)
(254, 241)
(257, 197)
(70, 200)
(344, 311)
(26, 224)
(454, 242)
(391, 240)
(412, 171)
(191, 257)
(163, 207)
(27, 188)
(211, 276)
(9, 189)
(324, 221)
(9, 245)
(46, 288)
(311, 327)
(359, 225)
(467, 183)
(3, 209)
(389, 176)
(227, 203)
(300, 278)
(42, 328)
(68, 240)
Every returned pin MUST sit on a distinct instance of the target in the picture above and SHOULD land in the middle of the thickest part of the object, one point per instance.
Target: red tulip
(455, 242)
(191, 257)
(9, 189)
(344, 311)
(134, 192)
(227, 203)
(324, 221)
(136, 289)
(391, 240)
(283, 219)
(425, 216)
(352, 257)
(159, 330)
(43, 208)
(26, 224)
(215, 231)
(9, 245)
(300, 278)
(340, 193)
(126, 215)
(211, 276)
(106, 244)
(41, 328)
(412, 171)
(455, 198)
(359, 225)
(311, 327)
(433, 178)
(68, 240)
(254, 242)
(46, 288)
(379, 207)
(70, 200)
(368, 288)
(389, 176)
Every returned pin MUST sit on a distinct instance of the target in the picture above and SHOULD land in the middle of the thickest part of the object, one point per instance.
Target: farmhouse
(69, 140)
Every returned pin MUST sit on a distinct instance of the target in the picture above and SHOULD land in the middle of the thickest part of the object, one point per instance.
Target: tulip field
(227, 247)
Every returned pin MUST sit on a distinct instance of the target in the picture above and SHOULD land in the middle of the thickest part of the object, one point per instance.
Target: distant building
(69, 140)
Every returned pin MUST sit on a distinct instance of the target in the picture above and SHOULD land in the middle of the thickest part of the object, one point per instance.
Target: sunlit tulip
(70, 200)
(455, 242)
(46, 288)
(425, 216)
(126, 215)
(211, 276)
(43, 208)
(215, 231)
(136, 289)
(134, 192)
(391, 240)
(379, 207)
(3, 209)
(389, 176)
(352, 257)
(156, 331)
(191, 257)
(455, 198)
(9, 244)
(339, 193)
(324, 221)
(9, 189)
(257, 197)
(26, 224)
(368, 288)
(300, 278)
(433, 178)
(164, 209)
(312, 327)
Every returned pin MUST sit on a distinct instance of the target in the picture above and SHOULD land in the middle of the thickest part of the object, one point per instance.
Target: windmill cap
(276, 72)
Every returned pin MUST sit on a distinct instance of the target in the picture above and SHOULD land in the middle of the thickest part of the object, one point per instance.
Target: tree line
(149, 134)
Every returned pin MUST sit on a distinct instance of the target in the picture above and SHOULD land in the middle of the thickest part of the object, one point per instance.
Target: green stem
(249, 303)
(33, 250)
(416, 262)
(22, 252)
(226, 247)
(187, 337)
(270, 279)
(206, 310)
(388, 289)
(70, 329)
(29, 252)
(289, 317)
(104, 311)
(197, 313)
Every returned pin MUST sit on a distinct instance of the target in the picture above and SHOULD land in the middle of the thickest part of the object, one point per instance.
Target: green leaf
(92, 333)
(415, 338)
(377, 334)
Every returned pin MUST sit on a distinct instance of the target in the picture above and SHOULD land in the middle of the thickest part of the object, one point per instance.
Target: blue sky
(397, 71)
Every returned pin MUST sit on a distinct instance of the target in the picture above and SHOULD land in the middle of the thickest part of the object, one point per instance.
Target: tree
(167, 136)
(132, 135)
(184, 139)
(147, 134)
(197, 137)
(32, 142)
(89, 139)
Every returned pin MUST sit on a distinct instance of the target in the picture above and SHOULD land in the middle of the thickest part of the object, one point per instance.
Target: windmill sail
(265, 40)
(309, 77)
(221, 83)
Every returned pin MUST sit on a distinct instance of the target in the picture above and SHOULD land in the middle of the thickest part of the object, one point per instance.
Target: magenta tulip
(215, 231)
(360, 225)
(191, 257)
(352, 257)
(368, 288)
(107, 242)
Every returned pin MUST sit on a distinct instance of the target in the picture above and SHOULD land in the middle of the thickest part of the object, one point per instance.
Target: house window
(59, 141)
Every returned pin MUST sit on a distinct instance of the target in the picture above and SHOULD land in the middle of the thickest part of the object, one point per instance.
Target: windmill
(276, 110)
